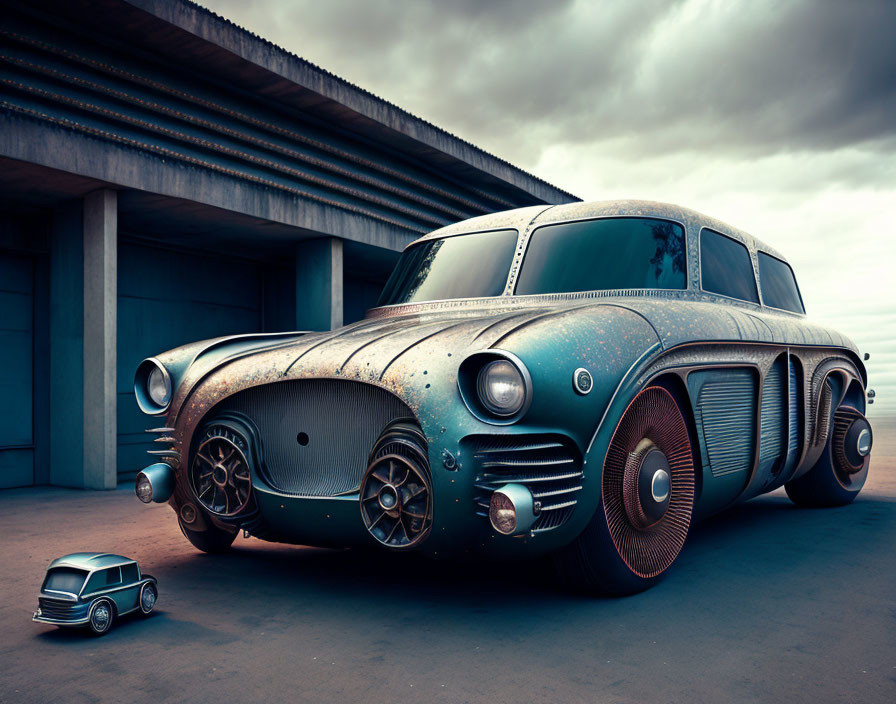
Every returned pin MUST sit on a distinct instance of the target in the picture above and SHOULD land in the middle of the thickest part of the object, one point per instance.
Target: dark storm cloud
(750, 78)
(778, 116)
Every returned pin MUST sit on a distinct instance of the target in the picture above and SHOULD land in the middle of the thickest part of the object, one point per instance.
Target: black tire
(212, 540)
(101, 616)
(149, 594)
(832, 481)
(623, 550)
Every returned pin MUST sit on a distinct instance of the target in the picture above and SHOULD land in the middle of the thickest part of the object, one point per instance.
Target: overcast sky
(777, 117)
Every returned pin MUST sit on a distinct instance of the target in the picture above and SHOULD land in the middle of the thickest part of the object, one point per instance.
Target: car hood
(396, 350)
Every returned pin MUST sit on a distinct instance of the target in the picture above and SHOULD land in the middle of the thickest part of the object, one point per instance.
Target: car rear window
(779, 289)
(463, 266)
(725, 267)
(65, 579)
(604, 254)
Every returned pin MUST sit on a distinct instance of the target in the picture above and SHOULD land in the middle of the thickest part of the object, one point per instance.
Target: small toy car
(93, 589)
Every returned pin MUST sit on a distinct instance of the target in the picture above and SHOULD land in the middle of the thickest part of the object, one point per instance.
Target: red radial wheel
(653, 420)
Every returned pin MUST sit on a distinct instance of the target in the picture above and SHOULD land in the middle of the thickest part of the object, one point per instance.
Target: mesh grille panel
(316, 434)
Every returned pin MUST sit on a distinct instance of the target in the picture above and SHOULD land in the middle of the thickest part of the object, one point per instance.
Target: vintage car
(582, 380)
(93, 589)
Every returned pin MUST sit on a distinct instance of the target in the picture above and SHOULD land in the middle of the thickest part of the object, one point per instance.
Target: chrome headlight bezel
(151, 368)
(471, 376)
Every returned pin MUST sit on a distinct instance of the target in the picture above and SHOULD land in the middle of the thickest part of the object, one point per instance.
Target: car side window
(725, 267)
(779, 289)
(103, 579)
(130, 573)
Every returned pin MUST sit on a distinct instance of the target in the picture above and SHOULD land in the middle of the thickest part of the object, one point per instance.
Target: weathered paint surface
(624, 338)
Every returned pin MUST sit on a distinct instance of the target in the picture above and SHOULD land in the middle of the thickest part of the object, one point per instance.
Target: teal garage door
(16, 371)
(166, 299)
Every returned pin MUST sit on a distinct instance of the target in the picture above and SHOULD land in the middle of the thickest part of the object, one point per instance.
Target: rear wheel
(647, 496)
(211, 540)
(149, 594)
(841, 471)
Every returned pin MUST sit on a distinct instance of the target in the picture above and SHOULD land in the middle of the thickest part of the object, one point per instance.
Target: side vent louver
(548, 465)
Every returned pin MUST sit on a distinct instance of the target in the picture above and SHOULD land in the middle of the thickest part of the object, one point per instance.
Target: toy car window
(778, 284)
(725, 267)
(103, 579)
(610, 253)
(130, 573)
(65, 579)
(464, 266)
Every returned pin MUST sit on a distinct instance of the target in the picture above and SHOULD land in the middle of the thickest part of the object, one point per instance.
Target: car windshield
(463, 266)
(610, 253)
(65, 579)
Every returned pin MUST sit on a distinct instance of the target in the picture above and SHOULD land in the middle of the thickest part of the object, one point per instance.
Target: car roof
(524, 219)
(90, 560)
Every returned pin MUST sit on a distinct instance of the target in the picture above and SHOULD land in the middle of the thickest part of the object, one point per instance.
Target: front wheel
(100, 616)
(647, 496)
(211, 540)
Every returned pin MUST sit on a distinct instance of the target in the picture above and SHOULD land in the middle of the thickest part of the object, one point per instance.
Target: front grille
(55, 608)
(549, 465)
(316, 434)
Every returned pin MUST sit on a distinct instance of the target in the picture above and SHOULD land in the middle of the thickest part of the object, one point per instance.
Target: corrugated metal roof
(148, 5)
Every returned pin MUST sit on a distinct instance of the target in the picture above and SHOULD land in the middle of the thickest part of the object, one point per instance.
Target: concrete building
(167, 176)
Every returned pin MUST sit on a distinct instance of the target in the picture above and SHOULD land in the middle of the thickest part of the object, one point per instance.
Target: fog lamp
(144, 489)
(155, 483)
(511, 510)
(502, 514)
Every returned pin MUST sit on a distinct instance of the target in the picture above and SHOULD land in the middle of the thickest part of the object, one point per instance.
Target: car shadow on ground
(768, 535)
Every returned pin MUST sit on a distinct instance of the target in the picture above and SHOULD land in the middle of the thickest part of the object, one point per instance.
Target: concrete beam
(30, 141)
(100, 350)
(83, 309)
(319, 284)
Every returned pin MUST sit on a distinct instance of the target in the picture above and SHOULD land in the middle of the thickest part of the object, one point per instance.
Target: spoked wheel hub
(396, 497)
(395, 501)
(220, 472)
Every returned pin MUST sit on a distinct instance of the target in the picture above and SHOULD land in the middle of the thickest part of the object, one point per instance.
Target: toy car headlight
(501, 387)
(152, 387)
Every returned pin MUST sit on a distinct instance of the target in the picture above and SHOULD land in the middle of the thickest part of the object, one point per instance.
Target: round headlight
(153, 387)
(158, 386)
(501, 387)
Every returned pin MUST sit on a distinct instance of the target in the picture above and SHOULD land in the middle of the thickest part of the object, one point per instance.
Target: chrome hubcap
(647, 485)
(149, 599)
(101, 616)
(660, 485)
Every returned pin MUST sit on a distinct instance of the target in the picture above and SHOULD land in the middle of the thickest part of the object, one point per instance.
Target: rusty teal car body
(656, 366)
(93, 589)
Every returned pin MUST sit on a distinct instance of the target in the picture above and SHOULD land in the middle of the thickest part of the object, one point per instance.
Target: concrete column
(100, 349)
(83, 308)
(319, 284)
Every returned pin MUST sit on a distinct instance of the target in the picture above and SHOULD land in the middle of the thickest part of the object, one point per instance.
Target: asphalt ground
(767, 603)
